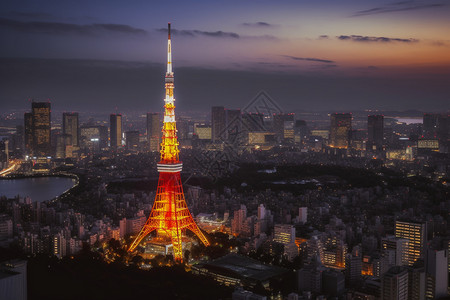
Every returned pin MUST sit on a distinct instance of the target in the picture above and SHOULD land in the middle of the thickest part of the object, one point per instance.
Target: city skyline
(311, 56)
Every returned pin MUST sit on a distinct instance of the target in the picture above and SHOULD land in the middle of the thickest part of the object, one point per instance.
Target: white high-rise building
(415, 233)
(303, 215)
(437, 275)
(399, 246)
(238, 219)
(394, 284)
(284, 234)
(261, 212)
(59, 245)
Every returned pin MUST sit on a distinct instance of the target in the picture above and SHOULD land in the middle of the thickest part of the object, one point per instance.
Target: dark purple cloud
(396, 7)
(310, 59)
(194, 33)
(27, 15)
(68, 28)
(258, 24)
(382, 39)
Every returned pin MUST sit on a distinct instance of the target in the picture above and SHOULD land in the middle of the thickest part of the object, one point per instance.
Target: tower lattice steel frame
(170, 215)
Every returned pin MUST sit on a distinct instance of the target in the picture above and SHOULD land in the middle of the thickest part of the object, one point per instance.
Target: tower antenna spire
(169, 55)
(168, 25)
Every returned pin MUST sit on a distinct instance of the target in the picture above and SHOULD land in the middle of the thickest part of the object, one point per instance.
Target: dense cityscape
(231, 202)
(340, 203)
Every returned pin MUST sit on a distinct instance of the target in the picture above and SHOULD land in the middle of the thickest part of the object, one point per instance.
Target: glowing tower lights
(170, 215)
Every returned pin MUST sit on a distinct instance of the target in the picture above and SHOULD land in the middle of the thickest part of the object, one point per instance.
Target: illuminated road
(14, 166)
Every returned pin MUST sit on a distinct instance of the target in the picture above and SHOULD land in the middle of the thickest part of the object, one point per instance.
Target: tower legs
(170, 215)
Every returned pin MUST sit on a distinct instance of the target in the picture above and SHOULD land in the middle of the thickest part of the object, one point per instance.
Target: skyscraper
(93, 137)
(234, 124)
(153, 131)
(284, 234)
(430, 126)
(115, 131)
(41, 128)
(436, 126)
(218, 124)
(71, 127)
(353, 266)
(437, 273)
(283, 127)
(399, 247)
(394, 284)
(375, 130)
(341, 126)
(132, 140)
(415, 233)
(28, 135)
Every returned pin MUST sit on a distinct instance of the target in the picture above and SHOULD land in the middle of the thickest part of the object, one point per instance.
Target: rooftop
(239, 266)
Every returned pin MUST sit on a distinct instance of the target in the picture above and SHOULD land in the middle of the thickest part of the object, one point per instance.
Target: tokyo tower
(170, 215)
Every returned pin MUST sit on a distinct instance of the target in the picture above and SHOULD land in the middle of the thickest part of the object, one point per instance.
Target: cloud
(68, 28)
(27, 15)
(382, 39)
(323, 37)
(258, 24)
(396, 7)
(310, 59)
(193, 33)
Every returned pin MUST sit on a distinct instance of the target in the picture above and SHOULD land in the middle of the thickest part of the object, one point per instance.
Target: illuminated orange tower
(170, 215)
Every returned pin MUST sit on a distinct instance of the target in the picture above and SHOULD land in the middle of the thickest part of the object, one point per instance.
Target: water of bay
(37, 188)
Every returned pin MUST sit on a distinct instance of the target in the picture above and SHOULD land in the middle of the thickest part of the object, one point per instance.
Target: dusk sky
(308, 55)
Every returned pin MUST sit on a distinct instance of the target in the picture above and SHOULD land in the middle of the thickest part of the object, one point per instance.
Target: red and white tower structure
(170, 215)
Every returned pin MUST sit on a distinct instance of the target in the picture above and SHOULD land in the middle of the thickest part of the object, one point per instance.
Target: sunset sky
(310, 55)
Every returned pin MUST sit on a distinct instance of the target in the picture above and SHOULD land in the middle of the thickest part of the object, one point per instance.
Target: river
(37, 188)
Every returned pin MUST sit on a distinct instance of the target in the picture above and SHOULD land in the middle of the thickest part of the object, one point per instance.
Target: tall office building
(41, 128)
(301, 131)
(132, 140)
(436, 272)
(17, 140)
(353, 266)
(399, 247)
(430, 126)
(394, 284)
(28, 132)
(202, 131)
(115, 131)
(63, 146)
(303, 215)
(309, 278)
(218, 124)
(239, 217)
(375, 129)
(153, 131)
(234, 124)
(253, 122)
(415, 233)
(71, 127)
(416, 282)
(283, 127)
(436, 126)
(340, 129)
(93, 137)
(284, 234)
